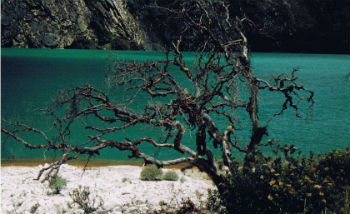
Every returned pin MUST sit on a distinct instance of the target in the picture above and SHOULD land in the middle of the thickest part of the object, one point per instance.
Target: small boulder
(50, 39)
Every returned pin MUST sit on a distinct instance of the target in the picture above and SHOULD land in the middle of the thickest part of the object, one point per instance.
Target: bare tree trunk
(223, 61)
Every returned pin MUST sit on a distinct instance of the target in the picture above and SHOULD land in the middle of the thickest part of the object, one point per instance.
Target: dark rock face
(70, 24)
(44, 23)
(279, 25)
(309, 26)
(318, 26)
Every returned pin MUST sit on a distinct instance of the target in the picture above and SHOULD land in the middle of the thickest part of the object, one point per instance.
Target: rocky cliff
(279, 25)
(71, 24)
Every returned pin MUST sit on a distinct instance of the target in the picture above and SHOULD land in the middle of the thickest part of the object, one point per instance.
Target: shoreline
(80, 163)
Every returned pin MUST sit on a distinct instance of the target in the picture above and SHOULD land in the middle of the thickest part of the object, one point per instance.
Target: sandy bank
(33, 162)
(119, 187)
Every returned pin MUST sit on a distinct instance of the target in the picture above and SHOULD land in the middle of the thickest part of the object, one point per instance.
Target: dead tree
(221, 70)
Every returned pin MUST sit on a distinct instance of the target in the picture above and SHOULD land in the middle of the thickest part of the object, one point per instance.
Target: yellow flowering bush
(291, 184)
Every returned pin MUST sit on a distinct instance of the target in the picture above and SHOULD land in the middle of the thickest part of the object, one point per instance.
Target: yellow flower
(277, 174)
(272, 170)
(321, 194)
(324, 201)
(317, 186)
(292, 191)
(309, 194)
(272, 182)
(229, 128)
(280, 183)
(270, 197)
(309, 180)
(326, 169)
(186, 69)
(293, 167)
(289, 185)
(261, 177)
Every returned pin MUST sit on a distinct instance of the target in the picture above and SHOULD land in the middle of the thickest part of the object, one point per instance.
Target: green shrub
(214, 203)
(162, 203)
(56, 184)
(185, 207)
(81, 197)
(182, 179)
(125, 180)
(170, 176)
(152, 173)
(290, 184)
(34, 208)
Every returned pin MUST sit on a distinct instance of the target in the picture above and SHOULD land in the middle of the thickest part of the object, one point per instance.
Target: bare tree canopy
(222, 66)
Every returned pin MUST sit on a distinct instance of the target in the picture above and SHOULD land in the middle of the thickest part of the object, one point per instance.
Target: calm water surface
(30, 79)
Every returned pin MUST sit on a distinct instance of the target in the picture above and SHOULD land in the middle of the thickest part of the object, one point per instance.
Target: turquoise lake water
(30, 79)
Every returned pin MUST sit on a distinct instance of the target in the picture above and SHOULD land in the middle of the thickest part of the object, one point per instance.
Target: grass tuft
(170, 176)
(57, 183)
(152, 173)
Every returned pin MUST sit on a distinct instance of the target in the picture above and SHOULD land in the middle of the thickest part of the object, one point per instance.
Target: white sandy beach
(119, 187)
